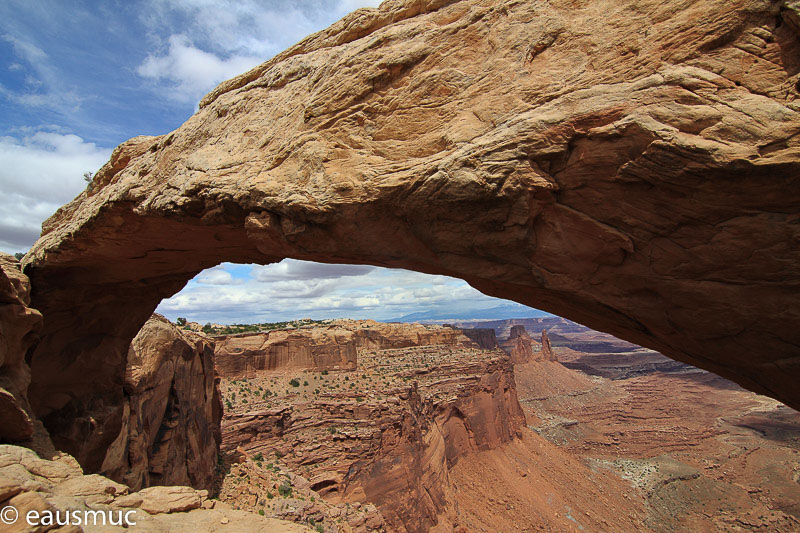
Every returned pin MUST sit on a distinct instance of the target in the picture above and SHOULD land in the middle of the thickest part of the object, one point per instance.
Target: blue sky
(77, 78)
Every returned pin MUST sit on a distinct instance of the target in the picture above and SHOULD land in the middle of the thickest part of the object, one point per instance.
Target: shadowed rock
(170, 424)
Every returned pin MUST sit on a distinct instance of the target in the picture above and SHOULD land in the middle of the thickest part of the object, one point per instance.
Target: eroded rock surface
(632, 165)
(247, 354)
(387, 434)
(171, 414)
(30, 483)
(485, 338)
(520, 346)
(19, 326)
(333, 347)
(547, 349)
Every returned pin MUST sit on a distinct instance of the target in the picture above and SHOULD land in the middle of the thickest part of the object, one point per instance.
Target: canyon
(395, 443)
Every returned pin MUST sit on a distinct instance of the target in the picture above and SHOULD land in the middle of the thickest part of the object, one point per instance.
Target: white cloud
(227, 38)
(294, 269)
(190, 71)
(216, 276)
(296, 289)
(39, 173)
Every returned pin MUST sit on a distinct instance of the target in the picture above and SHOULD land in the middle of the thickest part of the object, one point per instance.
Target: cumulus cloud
(192, 72)
(227, 38)
(298, 289)
(217, 276)
(39, 173)
(291, 269)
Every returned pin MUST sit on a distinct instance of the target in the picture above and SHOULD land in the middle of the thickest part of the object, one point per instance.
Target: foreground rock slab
(29, 483)
(632, 165)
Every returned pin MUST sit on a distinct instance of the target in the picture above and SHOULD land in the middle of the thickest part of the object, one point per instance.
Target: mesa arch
(633, 166)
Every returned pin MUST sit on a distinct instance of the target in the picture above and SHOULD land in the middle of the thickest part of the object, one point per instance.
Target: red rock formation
(33, 484)
(313, 349)
(170, 420)
(371, 335)
(519, 345)
(333, 347)
(395, 447)
(638, 172)
(547, 349)
(483, 337)
(19, 326)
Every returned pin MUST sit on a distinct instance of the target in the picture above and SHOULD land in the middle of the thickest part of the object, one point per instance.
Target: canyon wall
(391, 445)
(169, 432)
(333, 347)
(483, 337)
(316, 348)
(19, 326)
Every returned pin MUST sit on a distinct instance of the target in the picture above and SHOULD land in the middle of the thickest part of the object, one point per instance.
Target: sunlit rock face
(631, 165)
(519, 345)
(412, 413)
(326, 347)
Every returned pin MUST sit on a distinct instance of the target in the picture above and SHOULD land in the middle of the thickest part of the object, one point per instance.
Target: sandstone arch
(634, 166)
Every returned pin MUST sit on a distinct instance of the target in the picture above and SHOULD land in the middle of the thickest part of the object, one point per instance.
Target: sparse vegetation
(285, 490)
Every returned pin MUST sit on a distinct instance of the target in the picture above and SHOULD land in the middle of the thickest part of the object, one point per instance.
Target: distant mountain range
(501, 312)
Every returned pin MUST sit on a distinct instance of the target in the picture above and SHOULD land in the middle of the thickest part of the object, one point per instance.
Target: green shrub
(285, 490)
(294, 382)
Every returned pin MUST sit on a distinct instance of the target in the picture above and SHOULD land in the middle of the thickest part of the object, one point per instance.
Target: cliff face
(320, 349)
(485, 338)
(371, 335)
(19, 326)
(333, 347)
(391, 438)
(169, 431)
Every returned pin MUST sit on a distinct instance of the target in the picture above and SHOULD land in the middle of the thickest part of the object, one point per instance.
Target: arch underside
(652, 194)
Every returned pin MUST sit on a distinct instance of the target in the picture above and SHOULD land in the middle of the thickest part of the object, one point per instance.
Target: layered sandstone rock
(547, 349)
(30, 483)
(19, 326)
(314, 349)
(485, 338)
(170, 421)
(333, 347)
(519, 345)
(371, 335)
(630, 164)
(387, 434)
